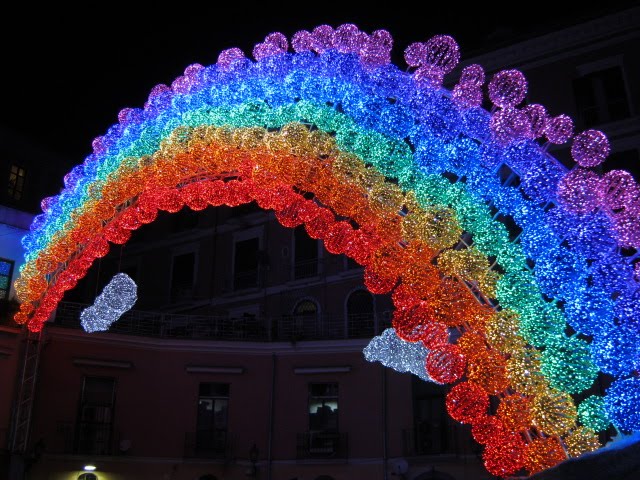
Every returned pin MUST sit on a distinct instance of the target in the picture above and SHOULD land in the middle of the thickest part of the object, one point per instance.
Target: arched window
(360, 316)
(305, 319)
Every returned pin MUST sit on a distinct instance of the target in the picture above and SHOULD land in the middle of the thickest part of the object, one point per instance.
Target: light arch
(401, 175)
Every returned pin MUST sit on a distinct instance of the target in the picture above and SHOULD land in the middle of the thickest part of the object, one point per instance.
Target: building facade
(243, 355)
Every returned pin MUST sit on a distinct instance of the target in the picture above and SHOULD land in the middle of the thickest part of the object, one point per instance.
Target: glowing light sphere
(348, 38)
(537, 115)
(502, 332)
(415, 54)
(118, 296)
(507, 88)
(230, 56)
(523, 372)
(617, 352)
(620, 189)
(567, 363)
(472, 75)
(442, 53)
(553, 412)
(322, 38)
(510, 124)
(504, 455)
(467, 402)
(543, 453)
(395, 353)
(467, 95)
(580, 190)
(488, 370)
(622, 403)
(581, 440)
(514, 412)
(592, 414)
(445, 364)
(558, 130)
(590, 148)
(302, 41)
(487, 429)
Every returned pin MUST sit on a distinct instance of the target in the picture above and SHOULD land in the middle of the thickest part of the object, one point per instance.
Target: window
(16, 182)
(182, 276)
(95, 418)
(305, 319)
(6, 272)
(246, 262)
(360, 317)
(601, 96)
(323, 407)
(323, 437)
(211, 425)
(306, 254)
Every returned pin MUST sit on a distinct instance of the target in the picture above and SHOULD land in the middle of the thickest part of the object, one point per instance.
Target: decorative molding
(314, 347)
(315, 370)
(211, 369)
(97, 362)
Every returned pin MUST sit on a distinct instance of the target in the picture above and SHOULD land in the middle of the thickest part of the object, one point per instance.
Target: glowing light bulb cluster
(394, 353)
(377, 181)
(118, 296)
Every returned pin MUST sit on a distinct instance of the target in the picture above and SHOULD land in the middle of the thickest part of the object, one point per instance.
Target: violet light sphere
(507, 88)
(590, 148)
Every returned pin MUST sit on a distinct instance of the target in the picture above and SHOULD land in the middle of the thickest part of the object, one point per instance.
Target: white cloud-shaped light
(395, 353)
(118, 296)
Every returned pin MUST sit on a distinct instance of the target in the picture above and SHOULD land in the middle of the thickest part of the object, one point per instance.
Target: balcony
(322, 445)
(286, 328)
(211, 444)
(86, 438)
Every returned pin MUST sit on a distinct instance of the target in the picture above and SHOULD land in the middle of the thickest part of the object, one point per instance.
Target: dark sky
(68, 71)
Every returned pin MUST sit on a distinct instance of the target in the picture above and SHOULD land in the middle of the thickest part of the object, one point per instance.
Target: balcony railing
(322, 445)
(208, 327)
(212, 444)
(83, 438)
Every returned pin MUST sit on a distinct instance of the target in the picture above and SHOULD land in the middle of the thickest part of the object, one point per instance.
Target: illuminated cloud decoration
(118, 296)
(405, 177)
(394, 353)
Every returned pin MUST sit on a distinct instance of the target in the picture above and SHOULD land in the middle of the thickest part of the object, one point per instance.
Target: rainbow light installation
(511, 270)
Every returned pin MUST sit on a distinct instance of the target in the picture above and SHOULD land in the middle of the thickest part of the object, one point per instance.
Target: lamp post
(252, 471)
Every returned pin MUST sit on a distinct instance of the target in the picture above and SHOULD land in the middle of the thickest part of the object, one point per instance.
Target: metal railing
(209, 327)
(322, 445)
(207, 444)
(88, 438)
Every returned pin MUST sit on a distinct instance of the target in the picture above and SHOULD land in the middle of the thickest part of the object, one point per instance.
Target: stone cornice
(568, 41)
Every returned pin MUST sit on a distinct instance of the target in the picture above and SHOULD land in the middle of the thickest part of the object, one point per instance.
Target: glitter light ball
(553, 412)
(515, 412)
(504, 455)
(487, 429)
(507, 88)
(543, 453)
(472, 75)
(592, 414)
(558, 130)
(581, 440)
(622, 403)
(445, 364)
(537, 115)
(580, 190)
(590, 148)
(467, 403)
(118, 296)
(442, 53)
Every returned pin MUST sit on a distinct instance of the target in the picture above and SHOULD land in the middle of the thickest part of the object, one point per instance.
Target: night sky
(67, 72)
